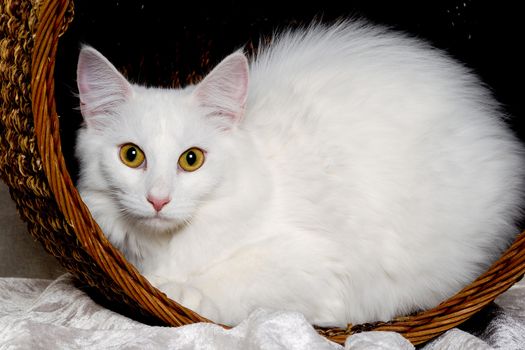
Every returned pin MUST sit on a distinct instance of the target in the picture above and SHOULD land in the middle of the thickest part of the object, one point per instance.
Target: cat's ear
(102, 89)
(224, 90)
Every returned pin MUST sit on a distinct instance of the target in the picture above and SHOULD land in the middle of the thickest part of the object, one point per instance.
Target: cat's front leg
(191, 298)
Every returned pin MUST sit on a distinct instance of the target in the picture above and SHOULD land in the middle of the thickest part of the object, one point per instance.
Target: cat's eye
(131, 155)
(192, 159)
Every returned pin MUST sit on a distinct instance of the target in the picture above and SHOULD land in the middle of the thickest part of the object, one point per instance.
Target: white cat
(347, 172)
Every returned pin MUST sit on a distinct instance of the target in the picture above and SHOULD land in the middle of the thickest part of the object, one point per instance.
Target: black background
(164, 42)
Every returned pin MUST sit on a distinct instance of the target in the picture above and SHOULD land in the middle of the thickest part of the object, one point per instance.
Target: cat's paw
(191, 298)
(155, 280)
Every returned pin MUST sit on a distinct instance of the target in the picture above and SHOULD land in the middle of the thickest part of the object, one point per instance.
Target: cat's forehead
(164, 108)
(165, 115)
(159, 97)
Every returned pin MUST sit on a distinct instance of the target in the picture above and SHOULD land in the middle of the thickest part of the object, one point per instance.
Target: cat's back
(350, 56)
(410, 135)
(353, 68)
(380, 90)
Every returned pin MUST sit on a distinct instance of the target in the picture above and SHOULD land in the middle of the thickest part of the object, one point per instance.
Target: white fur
(365, 176)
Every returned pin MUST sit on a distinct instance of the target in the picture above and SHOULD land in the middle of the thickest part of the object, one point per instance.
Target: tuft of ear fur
(102, 89)
(224, 90)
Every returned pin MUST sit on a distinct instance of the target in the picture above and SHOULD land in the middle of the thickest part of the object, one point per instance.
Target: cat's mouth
(160, 222)
(158, 217)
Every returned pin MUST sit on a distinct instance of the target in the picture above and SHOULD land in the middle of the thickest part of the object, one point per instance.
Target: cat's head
(156, 154)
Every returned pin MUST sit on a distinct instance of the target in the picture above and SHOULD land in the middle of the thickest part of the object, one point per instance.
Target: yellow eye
(192, 159)
(131, 155)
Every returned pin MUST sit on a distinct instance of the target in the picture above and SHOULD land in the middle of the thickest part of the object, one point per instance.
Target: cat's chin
(160, 224)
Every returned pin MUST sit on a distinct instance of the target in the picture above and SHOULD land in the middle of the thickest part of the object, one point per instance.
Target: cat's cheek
(116, 173)
(193, 188)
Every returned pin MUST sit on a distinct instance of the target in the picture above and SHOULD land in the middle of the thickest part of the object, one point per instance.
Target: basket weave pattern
(32, 165)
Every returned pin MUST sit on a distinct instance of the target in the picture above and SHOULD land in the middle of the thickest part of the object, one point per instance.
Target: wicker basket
(32, 165)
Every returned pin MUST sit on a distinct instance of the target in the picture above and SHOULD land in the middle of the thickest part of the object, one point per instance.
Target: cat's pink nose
(158, 203)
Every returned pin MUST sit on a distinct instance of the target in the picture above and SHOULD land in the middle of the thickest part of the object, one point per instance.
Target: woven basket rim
(53, 19)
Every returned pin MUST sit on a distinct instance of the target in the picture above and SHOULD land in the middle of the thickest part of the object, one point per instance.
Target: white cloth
(43, 314)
